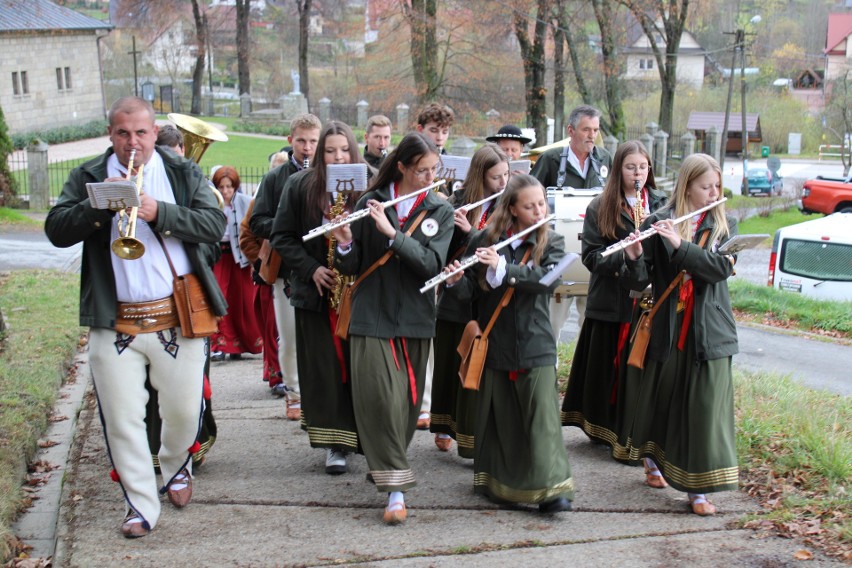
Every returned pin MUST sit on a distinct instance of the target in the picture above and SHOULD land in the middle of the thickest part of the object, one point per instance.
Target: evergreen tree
(8, 184)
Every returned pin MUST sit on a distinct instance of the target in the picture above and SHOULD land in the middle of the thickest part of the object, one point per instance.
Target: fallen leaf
(803, 554)
(47, 443)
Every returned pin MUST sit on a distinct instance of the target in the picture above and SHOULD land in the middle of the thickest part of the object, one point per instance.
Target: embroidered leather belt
(146, 317)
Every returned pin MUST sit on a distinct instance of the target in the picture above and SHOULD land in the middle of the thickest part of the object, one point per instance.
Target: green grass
(772, 222)
(36, 350)
(795, 452)
(790, 308)
(15, 217)
(242, 152)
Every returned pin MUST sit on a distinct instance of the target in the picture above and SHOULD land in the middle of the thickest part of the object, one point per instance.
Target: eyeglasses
(634, 168)
(423, 171)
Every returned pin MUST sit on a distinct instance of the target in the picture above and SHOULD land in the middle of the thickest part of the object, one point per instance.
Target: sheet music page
(453, 167)
(113, 195)
(346, 177)
(558, 269)
(523, 166)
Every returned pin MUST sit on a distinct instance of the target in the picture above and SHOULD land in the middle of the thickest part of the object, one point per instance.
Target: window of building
(646, 64)
(20, 84)
(67, 77)
(63, 78)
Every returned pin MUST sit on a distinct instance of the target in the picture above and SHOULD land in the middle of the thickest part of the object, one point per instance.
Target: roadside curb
(795, 332)
(37, 525)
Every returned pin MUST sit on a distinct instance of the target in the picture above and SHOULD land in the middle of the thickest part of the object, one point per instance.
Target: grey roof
(703, 120)
(42, 15)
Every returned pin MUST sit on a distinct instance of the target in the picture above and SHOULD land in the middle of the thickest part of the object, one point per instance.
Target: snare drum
(569, 206)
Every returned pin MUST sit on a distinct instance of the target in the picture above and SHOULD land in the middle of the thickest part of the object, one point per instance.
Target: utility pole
(134, 53)
(745, 136)
(737, 44)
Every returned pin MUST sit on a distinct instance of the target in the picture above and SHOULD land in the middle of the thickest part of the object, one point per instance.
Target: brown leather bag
(473, 346)
(270, 262)
(194, 311)
(344, 308)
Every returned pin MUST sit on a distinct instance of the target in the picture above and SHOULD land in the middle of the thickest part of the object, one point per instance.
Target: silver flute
(651, 231)
(361, 213)
(466, 263)
(472, 206)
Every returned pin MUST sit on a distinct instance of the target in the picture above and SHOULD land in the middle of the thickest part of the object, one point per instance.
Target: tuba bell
(197, 137)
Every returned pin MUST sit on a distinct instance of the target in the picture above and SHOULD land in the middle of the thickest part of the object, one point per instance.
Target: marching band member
(323, 359)
(176, 204)
(392, 323)
(304, 135)
(377, 138)
(596, 398)
(511, 140)
(684, 418)
(519, 453)
(453, 415)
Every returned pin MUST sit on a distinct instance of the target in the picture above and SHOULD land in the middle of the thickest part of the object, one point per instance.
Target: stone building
(50, 71)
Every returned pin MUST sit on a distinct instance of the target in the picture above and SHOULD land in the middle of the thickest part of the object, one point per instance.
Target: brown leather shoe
(443, 444)
(701, 506)
(395, 516)
(133, 526)
(654, 480)
(294, 410)
(180, 489)
(424, 423)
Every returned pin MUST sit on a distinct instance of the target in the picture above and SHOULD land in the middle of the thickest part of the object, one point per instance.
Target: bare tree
(304, 7)
(558, 68)
(605, 14)
(838, 115)
(201, 32)
(422, 19)
(532, 53)
(665, 19)
(243, 68)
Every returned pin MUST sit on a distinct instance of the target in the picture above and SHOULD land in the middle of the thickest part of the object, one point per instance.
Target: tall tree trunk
(243, 68)
(558, 73)
(422, 18)
(304, 26)
(565, 23)
(200, 56)
(532, 54)
(605, 15)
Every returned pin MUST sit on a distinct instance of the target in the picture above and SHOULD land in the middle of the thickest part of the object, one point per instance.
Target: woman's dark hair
(410, 151)
(226, 172)
(612, 198)
(317, 198)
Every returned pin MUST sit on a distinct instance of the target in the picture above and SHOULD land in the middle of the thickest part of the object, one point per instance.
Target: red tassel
(207, 391)
(114, 475)
(194, 448)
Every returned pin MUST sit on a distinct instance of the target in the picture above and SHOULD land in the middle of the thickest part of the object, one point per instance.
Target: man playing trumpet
(177, 207)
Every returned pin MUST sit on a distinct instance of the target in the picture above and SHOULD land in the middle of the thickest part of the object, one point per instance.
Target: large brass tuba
(197, 137)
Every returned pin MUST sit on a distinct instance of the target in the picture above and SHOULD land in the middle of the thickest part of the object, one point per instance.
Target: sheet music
(346, 177)
(523, 166)
(558, 268)
(453, 167)
(113, 195)
(741, 242)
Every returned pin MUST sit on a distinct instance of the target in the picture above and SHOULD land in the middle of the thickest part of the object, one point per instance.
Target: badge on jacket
(430, 227)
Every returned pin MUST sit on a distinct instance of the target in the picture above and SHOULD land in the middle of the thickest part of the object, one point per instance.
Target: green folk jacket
(609, 298)
(522, 337)
(266, 202)
(194, 218)
(715, 330)
(388, 303)
(546, 169)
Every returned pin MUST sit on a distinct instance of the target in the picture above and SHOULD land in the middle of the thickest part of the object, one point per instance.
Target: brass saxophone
(639, 206)
(340, 281)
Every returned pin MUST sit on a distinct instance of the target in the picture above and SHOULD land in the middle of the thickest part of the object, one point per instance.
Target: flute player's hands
(634, 249)
(451, 280)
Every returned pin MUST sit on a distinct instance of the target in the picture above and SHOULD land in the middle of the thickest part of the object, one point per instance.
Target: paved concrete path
(263, 499)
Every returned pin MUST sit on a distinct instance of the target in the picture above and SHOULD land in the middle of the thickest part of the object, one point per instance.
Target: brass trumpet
(127, 246)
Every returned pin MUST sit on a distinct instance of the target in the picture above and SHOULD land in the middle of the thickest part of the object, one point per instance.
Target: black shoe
(217, 356)
(557, 505)
(235, 356)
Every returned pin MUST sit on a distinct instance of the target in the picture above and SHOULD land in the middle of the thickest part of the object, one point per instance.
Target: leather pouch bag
(344, 313)
(639, 341)
(472, 349)
(194, 311)
(270, 263)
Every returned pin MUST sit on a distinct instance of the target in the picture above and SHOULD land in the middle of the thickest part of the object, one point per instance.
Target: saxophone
(639, 206)
(340, 281)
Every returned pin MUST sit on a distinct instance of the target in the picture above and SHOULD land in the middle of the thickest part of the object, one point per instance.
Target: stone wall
(45, 106)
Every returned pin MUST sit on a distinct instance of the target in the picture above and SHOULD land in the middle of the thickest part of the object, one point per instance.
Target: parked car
(814, 258)
(761, 181)
(827, 195)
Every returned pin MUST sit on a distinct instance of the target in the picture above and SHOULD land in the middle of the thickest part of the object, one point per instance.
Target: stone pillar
(245, 105)
(324, 109)
(687, 142)
(611, 144)
(37, 171)
(362, 106)
(402, 118)
(661, 146)
(493, 117)
(463, 146)
(292, 104)
(651, 128)
(648, 141)
(208, 105)
(711, 144)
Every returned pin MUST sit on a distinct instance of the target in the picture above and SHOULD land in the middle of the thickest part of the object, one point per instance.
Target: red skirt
(265, 314)
(239, 331)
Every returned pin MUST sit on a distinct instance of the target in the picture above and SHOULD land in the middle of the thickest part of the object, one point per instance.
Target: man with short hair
(172, 138)
(434, 121)
(580, 164)
(511, 140)
(177, 214)
(378, 137)
(304, 136)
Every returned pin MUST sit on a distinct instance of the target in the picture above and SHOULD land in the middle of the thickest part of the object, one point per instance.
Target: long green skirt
(685, 421)
(386, 405)
(327, 412)
(520, 455)
(453, 408)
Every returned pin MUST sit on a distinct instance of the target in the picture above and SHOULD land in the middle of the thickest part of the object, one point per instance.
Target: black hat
(510, 132)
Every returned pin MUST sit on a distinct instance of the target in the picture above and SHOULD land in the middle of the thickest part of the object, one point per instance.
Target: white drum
(569, 206)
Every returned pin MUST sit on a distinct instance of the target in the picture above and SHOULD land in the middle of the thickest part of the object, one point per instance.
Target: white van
(814, 258)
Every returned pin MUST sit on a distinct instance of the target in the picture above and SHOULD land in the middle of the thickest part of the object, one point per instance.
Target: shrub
(62, 134)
